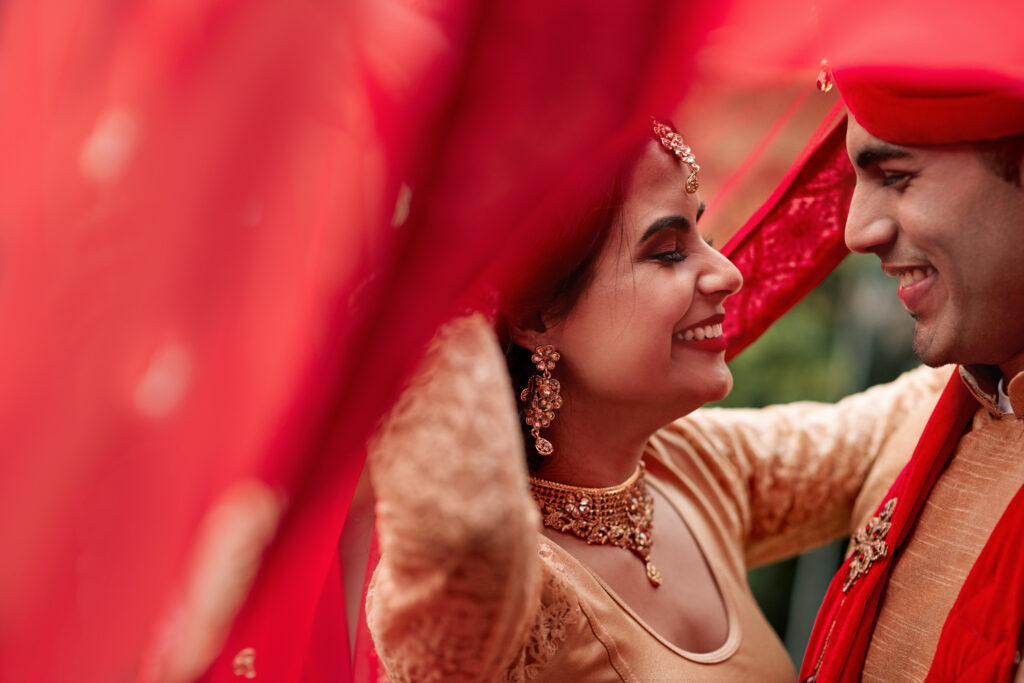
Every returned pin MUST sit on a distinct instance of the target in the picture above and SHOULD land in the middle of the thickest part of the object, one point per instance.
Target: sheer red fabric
(208, 289)
(159, 291)
(497, 162)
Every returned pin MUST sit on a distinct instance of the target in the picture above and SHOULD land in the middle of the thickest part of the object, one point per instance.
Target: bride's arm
(458, 585)
(792, 474)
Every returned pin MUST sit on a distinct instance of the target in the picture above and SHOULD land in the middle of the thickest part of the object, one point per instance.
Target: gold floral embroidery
(245, 663)
(869, 545)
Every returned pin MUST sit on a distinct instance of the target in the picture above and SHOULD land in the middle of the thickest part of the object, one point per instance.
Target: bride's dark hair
(553, 291)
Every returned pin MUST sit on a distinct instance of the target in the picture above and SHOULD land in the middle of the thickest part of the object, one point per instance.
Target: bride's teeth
(700, 333)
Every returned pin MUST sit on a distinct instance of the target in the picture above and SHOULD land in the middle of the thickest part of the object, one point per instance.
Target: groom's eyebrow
(876, 154)
(662, 224)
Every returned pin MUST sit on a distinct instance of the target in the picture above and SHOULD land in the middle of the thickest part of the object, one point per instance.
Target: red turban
(934, 106)
(924, 73)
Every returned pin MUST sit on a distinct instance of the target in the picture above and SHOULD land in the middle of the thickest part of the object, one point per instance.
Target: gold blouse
(468, 589)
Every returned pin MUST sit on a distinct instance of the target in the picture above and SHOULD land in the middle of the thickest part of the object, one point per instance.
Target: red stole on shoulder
(986, 618)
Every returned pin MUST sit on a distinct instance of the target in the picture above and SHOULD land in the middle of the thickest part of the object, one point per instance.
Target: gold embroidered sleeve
(790, 475)
(458, 586)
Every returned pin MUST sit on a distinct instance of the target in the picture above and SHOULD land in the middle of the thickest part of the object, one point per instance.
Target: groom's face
(951, 231)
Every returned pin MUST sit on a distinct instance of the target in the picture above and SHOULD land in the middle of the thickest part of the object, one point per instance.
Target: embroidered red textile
(795, 239)
(842, 630)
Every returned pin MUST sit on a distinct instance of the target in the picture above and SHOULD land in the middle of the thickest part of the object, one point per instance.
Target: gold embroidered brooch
(869, 545)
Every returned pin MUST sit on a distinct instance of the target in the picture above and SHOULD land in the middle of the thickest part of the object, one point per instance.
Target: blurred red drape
(202, 289)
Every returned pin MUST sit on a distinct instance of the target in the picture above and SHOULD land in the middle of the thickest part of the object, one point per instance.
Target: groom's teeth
(913, 275)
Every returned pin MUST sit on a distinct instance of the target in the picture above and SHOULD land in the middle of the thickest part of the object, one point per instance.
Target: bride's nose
(720, 276)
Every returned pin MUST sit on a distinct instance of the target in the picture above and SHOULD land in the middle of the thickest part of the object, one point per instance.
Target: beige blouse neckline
(733, 635)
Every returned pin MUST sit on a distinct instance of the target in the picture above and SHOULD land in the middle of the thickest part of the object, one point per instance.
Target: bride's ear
(532, 333)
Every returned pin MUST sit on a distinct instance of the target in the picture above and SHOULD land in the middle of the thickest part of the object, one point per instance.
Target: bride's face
(647, 330)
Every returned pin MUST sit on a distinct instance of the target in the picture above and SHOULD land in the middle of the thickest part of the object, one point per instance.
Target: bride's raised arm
(458, 585)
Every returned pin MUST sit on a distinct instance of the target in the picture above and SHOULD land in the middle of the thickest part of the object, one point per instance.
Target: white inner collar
(1004, 399)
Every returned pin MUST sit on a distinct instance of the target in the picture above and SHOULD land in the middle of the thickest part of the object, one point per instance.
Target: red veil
(212, 285)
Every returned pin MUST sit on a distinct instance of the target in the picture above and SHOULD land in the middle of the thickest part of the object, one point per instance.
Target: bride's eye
(672, 256)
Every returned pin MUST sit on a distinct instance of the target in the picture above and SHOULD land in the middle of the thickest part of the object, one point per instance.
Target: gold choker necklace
(621, 515)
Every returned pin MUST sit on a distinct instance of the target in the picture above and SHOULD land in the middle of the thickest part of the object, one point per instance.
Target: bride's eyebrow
(662, 224)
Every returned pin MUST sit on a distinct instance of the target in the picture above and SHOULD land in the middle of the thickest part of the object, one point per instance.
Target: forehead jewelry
(825, 81)
(620, 515)
(673, 142)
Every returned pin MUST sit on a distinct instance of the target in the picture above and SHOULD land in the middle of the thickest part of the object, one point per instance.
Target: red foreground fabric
(205, 288)
(542, 104)
(159, 292)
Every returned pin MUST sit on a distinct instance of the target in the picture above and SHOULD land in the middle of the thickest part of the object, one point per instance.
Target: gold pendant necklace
(620, 515)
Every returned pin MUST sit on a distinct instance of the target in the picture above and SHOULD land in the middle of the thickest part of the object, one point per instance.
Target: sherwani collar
(983, 382)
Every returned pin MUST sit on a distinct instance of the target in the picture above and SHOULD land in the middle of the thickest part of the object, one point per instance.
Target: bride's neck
(592, 450)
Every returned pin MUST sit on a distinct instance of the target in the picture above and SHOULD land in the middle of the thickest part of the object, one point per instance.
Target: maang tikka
(673, 142)
(543, 394)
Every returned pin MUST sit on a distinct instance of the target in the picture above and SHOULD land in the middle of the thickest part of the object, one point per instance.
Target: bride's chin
(718, 387)
(697, 397)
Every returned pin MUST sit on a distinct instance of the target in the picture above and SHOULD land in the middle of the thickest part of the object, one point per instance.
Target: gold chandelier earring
(543, 394)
